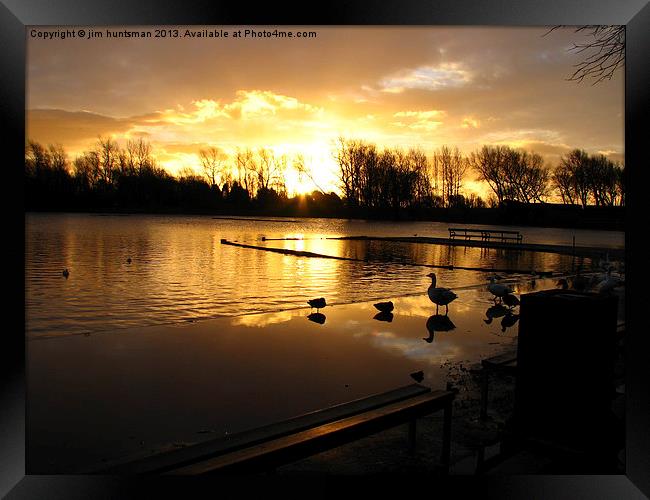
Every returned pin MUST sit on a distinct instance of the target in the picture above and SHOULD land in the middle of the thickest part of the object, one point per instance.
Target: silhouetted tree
(513, 175)
(584, 179)
(300, 166)
(604, 53)
(213, 161)
(489, 163)
(246, 170)
(452, 167)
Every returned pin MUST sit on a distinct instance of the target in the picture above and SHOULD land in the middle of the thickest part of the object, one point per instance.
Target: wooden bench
(486, 234)
(290, 440)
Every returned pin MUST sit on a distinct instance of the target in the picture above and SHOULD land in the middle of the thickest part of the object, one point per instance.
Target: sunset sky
(406, 87)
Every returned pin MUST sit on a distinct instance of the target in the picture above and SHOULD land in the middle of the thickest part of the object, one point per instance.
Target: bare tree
(108, 152)
(488, 163)
(527, 177)
(37, 158)
(58, 158)
(270, 169)
(213, 162)
(512, 174)
(87, 169)
(299, 165)
(246, 170)
(422, 167)
(562, 179)
(452, 167)
(138, 156)
(603, 54)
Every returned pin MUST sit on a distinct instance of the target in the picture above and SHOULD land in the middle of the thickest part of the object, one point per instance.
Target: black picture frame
(15, 15)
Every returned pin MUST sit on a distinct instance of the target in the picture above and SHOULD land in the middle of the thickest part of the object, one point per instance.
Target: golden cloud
(469, 122)
(419, 120)
(429, 77)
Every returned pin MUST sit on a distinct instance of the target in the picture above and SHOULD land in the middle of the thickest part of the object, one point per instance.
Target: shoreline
(577, 251)
(614, 225)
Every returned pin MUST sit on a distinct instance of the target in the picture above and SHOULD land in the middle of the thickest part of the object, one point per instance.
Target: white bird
(498, 289)
(440, 296)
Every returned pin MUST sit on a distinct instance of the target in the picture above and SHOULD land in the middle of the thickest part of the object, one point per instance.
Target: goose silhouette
(438, 295)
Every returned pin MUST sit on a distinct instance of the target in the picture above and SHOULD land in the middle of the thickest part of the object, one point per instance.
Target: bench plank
(485, 234)
(306, 443)
(200, 451)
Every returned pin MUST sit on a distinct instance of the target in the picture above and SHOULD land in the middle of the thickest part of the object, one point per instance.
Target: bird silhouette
(498, 289)
(385, 306)
(317, 303)
(438, 295)
(418, 376)
(128, 261)
(66, 273)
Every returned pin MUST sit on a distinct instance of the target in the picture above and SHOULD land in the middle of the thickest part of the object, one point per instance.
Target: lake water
(180, 272)
(194, 340)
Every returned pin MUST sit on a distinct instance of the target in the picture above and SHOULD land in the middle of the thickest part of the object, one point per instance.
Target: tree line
(109, 176)
(392, 179)
(373, 180)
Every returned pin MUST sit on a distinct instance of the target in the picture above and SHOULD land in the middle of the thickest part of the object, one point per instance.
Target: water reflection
(438, 323)
(510, 300)
(509, 320)
(317, 317)
(178, 269)
(384, 316)
(495, 311)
